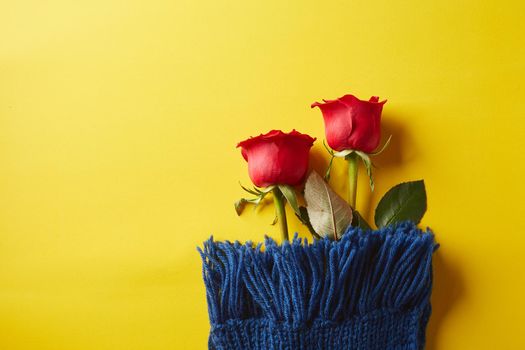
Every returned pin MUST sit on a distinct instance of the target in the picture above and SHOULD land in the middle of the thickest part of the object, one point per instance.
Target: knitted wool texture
(367, 291)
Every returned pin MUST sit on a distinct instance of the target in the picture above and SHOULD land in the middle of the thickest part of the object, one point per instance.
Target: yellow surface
(118, 126)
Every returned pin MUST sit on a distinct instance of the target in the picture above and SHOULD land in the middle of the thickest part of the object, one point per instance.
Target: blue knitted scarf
(369, 290)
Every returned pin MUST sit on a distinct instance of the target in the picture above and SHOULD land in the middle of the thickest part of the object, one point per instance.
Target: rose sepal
(365, 157)
(260, 193)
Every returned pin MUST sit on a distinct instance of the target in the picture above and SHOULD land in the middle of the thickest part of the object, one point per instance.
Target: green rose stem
(278, 200)
(352, 178)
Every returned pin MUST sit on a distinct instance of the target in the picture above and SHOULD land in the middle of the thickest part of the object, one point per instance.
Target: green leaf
(406, 201)
(290, 196)
(303, 217)
(368, 165)
(359, 221)
(329, 214)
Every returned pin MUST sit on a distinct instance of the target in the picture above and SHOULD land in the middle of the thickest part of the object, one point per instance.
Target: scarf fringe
(298, 282)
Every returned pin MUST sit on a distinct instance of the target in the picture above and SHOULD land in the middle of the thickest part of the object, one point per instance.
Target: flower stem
(352, 178)
(280, 212)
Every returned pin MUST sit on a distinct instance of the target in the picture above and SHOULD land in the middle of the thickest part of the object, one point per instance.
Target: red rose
(277, 158)
(351, 123)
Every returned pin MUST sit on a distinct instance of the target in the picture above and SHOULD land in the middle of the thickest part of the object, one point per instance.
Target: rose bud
(277, 158)
(351, 123)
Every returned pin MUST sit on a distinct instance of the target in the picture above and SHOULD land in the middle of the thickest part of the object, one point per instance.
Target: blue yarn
(369, 290)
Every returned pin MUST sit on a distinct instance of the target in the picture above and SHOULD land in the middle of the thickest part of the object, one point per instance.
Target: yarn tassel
(298, 282)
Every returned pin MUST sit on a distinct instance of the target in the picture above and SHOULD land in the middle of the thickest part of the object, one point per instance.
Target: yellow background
(118, 126)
